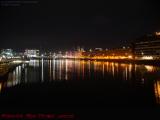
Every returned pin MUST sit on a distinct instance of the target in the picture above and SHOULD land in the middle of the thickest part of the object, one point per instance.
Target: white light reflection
(14, 78)
(50, 69)
(60, 68)
(66, 70)
(14, 75)
(42, 72)
(25, 75)
(19, 73)
(54, 69)
(34, 63)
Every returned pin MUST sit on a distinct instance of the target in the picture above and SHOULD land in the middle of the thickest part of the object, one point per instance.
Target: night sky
(64, 25)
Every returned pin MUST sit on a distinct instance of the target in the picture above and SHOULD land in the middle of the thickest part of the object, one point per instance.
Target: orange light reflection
(157, 91)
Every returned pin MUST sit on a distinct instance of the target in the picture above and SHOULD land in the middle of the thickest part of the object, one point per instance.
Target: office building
(30, 53)
(147, 47)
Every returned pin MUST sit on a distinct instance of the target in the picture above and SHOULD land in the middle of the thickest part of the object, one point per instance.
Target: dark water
(79, 84)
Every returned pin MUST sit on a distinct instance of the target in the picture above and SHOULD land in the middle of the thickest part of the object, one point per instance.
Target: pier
(8, 65)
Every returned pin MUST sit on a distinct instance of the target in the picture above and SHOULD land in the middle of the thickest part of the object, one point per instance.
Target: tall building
(30, 53)
(147, 47)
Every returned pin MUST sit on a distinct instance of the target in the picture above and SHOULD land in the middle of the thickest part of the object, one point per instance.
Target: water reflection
(157, 91)
(14, 78)
(42, 71)
(52, 70)
(0, 87)
(66, 69)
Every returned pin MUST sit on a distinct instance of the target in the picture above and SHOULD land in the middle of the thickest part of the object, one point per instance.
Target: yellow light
(130, 56)
(0, 87)
(157, 91)
(147, 57)
(149, 68)
(17, 61)
(157, 33)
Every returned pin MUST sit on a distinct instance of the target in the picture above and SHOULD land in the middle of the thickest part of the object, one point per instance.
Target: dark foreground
(85, 99)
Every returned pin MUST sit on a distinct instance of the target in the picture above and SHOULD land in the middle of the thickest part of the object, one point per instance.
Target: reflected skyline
(53, 70)
(157, 91)
(62, 69)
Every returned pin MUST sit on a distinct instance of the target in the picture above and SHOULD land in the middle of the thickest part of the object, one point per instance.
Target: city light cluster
(145, 48)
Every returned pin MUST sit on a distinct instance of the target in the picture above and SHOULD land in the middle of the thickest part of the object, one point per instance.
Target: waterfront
(82, 83)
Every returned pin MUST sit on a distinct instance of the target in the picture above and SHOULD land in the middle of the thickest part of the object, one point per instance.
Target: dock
(7, 66)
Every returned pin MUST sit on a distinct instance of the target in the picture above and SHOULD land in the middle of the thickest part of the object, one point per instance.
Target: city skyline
(65, 25)
(74, 59)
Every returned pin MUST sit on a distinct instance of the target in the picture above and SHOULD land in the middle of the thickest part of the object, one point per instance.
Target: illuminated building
(147, 47)
(157, 91)
(0, 58)
(98, 49)
(119, 53)
(59, 55)
(6, 53)
(31, 53)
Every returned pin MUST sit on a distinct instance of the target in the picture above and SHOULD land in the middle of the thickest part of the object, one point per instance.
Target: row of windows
(148, 42)
(149, 47)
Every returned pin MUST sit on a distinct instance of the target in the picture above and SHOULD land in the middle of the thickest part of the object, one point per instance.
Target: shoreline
(127, 61)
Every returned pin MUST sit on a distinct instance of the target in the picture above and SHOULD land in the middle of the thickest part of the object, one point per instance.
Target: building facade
(7, 53)
(147, 47)
(31, 53)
